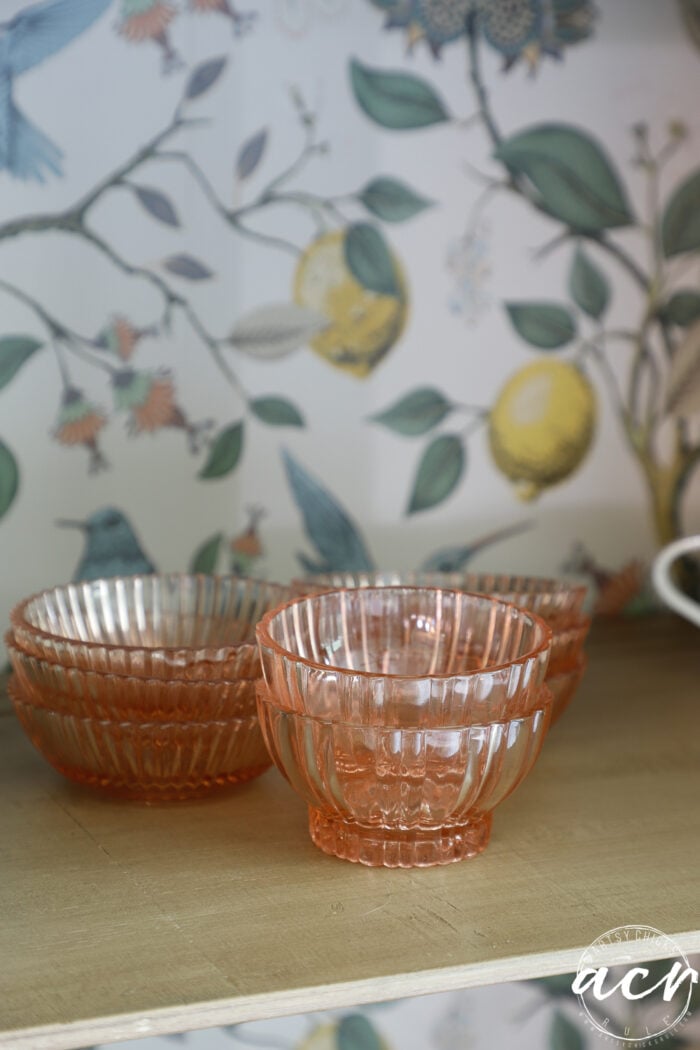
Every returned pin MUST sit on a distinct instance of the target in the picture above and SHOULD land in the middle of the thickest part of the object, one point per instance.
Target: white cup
(663, 582)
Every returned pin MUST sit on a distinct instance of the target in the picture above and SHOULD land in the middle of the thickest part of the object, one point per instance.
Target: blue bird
(455, 559)
(33, 35)
(111, 547)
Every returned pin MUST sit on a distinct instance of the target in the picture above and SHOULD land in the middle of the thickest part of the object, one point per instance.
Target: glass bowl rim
(115, 678)
(543, 585)
(265, 639)
(545, 703)
(17, 617)
(16, 693)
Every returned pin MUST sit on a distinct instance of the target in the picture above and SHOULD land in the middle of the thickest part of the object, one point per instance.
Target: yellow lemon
(542, 425)
(363, 324)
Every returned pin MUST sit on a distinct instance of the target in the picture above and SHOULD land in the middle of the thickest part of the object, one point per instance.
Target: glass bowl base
(174, 790)
(398, 848)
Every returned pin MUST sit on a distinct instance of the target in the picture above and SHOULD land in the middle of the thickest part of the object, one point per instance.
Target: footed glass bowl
(403, 656)
(384, 796)
(90, 694)
(156, 761)
(173, 626)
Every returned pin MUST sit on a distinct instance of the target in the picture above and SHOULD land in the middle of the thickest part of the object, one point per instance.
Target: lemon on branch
(352, 277)
(542, 425)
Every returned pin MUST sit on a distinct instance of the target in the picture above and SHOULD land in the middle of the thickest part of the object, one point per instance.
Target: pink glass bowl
(563, 687)
(567, 645)
(174, 626)
(552, 599)
(403, 656)
(145, 761)
(392, 797)
(87, 694)
(558, 602)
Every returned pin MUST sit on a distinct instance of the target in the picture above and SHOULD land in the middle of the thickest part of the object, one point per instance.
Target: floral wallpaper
(315, 284)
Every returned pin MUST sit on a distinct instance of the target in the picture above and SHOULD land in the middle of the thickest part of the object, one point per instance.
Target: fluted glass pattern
(141, 760)
(401, 797)
(72, 690)
(558, 602)
(403, 656)
(177, 626)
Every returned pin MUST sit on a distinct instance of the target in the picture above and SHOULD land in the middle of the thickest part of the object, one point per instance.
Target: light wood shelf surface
(119, 920)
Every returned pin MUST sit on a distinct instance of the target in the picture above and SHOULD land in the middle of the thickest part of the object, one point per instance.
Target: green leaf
(369, 260)
(14, 351)
(277, 412)
(206, 558)
(563, 1035)
(356, 1032)
(335, 536)
(573, 175)
(157, 205)
(396, 100)
(680, 225)
(588, 286)
(415, 413)
(224, 453)
(9, 479)
(204, 76)
(391, 200)
(682, 309)
(544, 325)
(439, 471)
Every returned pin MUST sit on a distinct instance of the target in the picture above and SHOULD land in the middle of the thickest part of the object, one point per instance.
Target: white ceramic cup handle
(664, 585)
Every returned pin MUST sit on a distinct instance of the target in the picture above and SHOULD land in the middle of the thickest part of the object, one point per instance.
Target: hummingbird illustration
(111, 546)
(33, 35)
(454, 559)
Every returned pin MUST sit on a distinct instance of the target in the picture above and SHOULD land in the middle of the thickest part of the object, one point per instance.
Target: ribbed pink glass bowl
(403, 716)
(88, 694)
(156, 761)
(558, 602)
(403, 656)
(392, 797)
(173, 626)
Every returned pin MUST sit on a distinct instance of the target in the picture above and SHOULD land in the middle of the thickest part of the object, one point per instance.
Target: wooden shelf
(122, 920)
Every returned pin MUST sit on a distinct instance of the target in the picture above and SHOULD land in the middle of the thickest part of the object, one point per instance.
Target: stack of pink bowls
(403, 716)
(558, 602)
(144, 686)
